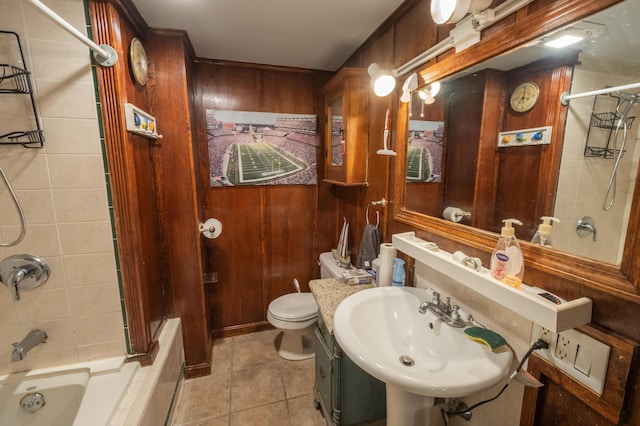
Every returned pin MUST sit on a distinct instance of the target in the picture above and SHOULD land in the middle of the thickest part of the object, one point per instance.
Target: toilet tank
(329, 266)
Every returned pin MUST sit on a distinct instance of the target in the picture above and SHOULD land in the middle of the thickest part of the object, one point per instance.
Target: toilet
(296, 314)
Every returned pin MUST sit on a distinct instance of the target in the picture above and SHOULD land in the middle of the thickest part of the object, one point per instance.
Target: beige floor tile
(204, 397)
(303, 413)
(298, 377)
(221, 357)
(254, 353)
(266, 334)
(214, 421)
(255, 387)
(267, 415)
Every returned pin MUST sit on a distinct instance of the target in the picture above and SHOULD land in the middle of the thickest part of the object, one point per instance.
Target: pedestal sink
(417, 356)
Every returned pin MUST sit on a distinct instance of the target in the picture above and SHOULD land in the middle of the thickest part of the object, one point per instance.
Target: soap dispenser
(543, 235)
(507, 264)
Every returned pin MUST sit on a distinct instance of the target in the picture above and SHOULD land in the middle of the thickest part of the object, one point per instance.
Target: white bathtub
(74, 395)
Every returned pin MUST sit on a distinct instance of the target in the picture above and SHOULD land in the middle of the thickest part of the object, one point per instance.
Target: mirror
(336, 131)
(458, 154)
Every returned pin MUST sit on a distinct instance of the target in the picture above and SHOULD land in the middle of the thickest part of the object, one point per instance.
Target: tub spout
(30, 341)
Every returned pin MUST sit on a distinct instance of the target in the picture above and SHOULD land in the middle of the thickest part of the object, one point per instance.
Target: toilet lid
(294, 307)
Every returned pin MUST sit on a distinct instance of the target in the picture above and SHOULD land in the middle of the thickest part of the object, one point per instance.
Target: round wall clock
(138, 62)
(524, 97)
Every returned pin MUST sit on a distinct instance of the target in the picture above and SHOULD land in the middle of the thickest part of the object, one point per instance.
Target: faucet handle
(436, 297)
(455, 315)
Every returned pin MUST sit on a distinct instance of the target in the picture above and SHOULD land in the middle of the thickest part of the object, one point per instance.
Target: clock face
(138, 61)
(524, 97)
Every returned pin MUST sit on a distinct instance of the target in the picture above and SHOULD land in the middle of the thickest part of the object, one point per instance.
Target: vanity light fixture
(410, 84)
(452, 11)
(428, 94)
(382, 81)
(577, 32)
(468, 33)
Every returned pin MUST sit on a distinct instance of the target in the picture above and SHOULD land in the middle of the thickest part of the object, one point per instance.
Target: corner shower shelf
(16, 80)
(607, 121)
(556, 318)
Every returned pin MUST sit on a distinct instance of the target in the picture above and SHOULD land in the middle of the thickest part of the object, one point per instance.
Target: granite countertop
(329, 292)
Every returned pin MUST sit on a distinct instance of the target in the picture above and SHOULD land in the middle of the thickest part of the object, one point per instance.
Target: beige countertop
(329, 292)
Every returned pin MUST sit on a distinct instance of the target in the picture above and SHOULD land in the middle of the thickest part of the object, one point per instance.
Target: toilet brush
(296, 284)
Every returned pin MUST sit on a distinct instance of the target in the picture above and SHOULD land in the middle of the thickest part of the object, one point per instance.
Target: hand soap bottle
(398, 272)
(507, 264)
(543, 235)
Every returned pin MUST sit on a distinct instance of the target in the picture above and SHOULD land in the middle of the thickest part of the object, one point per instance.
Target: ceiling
(297, 33)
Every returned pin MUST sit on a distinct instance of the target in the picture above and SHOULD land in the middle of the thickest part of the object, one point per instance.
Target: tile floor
(250, 385)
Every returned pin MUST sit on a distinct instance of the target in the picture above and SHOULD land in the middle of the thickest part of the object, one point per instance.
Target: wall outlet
(580, 356)
(566, 347)
(546, 335)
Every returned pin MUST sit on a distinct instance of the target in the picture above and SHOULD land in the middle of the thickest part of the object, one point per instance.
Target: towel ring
(381, 202)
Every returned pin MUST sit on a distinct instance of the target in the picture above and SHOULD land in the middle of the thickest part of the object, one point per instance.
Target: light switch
(584, 358)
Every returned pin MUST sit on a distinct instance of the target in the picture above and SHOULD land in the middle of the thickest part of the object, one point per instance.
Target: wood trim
(122, 187)
(148, 358)
(197, 370)
(127, 10)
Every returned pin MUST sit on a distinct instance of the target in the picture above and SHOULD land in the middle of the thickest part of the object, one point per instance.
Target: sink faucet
(449, 314)
(31, 340)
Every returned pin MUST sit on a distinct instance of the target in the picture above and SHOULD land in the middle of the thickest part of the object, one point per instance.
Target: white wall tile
(63, 192)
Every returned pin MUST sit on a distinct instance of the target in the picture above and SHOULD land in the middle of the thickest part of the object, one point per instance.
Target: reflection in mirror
(489, 146)
(337, 131)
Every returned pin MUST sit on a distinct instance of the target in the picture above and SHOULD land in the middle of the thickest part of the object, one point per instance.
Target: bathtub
(71, 395)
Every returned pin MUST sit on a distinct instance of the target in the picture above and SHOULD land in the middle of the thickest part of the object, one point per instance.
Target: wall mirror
(570, 180)
(591, 201)
(334, 110)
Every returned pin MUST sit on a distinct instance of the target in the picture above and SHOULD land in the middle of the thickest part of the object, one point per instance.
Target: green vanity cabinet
(346, 394)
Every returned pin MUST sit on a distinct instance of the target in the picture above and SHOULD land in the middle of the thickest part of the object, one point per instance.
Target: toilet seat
(294, 307)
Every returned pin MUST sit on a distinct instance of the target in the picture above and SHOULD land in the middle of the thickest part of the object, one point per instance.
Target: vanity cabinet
(346, 102)
(346, 394)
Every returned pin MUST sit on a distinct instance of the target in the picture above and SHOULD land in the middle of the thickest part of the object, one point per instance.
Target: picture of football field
(260, 163)
(417, 164)
(261, 148)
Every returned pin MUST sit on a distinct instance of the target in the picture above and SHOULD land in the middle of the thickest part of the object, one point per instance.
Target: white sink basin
(381, 330)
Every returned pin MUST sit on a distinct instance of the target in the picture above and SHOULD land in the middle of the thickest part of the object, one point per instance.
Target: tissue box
(356, 276)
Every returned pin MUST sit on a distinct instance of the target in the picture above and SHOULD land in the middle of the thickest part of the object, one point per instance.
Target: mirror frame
(623, 281)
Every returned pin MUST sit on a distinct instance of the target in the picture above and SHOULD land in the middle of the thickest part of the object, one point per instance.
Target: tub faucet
(30, 341)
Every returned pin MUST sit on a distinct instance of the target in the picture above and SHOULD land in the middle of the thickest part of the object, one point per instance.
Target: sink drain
(407, 361)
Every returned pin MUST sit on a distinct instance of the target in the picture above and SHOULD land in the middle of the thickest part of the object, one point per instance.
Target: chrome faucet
(449, 314)
(30, 341)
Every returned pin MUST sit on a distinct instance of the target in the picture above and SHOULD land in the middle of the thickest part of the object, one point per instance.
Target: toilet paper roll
(453, 214)
(211, 229)
(387, 255)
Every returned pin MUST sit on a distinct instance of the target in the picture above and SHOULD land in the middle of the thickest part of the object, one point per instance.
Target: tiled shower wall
(63, 192)
(583, 181)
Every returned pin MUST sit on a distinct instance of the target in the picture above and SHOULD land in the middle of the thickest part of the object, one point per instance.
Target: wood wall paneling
(179, 192)
(269, 231)
(127, 158)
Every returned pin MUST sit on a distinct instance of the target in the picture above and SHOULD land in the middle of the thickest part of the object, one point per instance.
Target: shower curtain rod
(566, 97)
(104, 54)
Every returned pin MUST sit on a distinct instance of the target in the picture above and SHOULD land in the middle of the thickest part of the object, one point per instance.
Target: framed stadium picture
(424, 155)
(257, 148)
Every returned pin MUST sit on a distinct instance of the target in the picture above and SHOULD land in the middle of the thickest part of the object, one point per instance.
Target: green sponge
(487, 337)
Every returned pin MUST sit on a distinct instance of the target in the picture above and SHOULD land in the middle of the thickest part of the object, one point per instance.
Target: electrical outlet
(578, 355)
(566, 347)
(546, 335)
